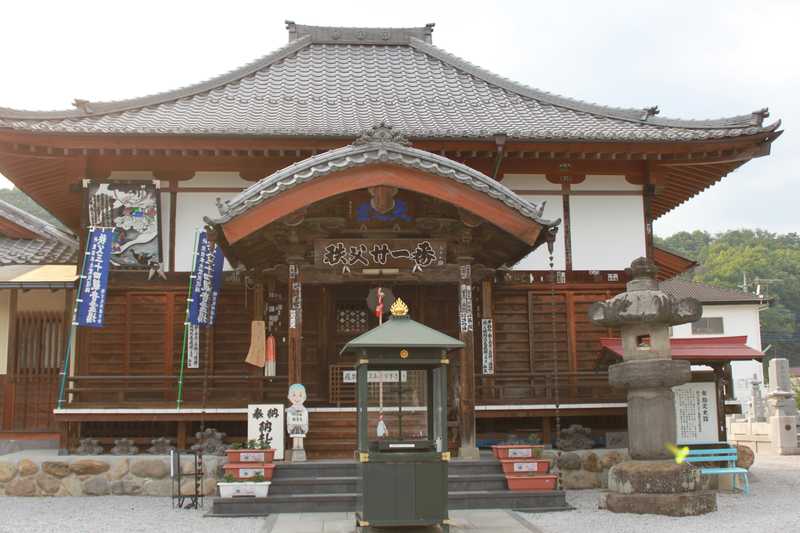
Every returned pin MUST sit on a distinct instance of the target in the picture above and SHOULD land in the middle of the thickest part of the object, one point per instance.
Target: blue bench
(727, 456)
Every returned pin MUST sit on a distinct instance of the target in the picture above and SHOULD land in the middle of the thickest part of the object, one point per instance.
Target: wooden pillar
(719, 385)
(295, 310)
(466, 404)
(487, 313)
(182, 431)
(11, 361)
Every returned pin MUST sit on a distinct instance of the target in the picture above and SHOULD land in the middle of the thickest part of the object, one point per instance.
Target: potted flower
(253, 451)
(253, 487)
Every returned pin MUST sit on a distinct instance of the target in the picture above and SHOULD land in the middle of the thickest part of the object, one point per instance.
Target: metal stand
(195, 500)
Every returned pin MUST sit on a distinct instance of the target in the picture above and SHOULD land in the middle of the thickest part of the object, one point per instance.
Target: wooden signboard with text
(406, 254)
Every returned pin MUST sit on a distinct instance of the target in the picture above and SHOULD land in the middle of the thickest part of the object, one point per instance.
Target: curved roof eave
(376, 146)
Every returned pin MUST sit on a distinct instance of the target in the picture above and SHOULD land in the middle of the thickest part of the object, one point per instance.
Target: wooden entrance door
(37, 352)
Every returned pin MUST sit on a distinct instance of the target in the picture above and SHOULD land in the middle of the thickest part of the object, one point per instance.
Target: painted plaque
(487, 345)
(376, 376)
(265, 422)
(413, 254)
(696, 413)
(132, 209)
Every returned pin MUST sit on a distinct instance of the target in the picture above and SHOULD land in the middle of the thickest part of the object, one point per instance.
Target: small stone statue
(210, 442)
(160, 446)
(575, 437)
(124, 447)
(297, 420)
(89, 447)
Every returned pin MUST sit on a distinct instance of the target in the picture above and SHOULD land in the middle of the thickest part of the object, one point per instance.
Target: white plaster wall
(165, 207)
(606, 231)
(191, 208)
(538, 259)
(215, 179)
(599, 182)
(529, 182)
(554, 208)
(742, 319)
(5, 296)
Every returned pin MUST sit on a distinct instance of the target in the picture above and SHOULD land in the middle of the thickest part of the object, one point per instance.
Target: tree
(726, 258)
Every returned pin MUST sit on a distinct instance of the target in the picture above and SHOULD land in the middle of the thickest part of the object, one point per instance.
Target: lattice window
(351, 318)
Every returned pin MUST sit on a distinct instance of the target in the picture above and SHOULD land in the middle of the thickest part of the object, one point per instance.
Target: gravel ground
(773, 505)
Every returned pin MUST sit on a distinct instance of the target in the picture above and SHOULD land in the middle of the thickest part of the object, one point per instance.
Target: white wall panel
(215, 179)
(191, 208)
(165, 228)
(529, 182)
(538, 259)
(597, 182)
(607, 231)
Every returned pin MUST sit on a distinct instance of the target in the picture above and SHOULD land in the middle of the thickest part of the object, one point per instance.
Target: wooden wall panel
(587, 334)
(512, 332)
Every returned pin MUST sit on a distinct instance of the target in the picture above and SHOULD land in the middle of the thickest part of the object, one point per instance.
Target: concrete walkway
(477, 521)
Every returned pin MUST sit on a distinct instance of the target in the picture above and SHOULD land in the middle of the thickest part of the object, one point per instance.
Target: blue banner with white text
(206, 282)
(91, 301)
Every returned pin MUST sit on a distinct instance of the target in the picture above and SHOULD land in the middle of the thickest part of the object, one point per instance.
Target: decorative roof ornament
(648, 112)
(382, 133)
(399, 308)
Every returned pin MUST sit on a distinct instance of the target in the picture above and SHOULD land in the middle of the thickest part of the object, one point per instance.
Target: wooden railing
(150, 391)
(541, 387)
(342, 393)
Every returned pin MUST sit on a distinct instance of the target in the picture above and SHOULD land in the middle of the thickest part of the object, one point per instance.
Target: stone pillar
(466, 404)
(652, 482)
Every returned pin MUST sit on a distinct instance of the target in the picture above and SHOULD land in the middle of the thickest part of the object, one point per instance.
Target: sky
(696, 59)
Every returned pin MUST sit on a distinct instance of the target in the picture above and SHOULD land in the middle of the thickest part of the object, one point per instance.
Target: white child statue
(297, 420)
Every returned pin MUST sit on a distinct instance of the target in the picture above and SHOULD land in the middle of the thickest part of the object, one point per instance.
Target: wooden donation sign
(696, 413)
(265, 424)
(413, 254)
(487, 345)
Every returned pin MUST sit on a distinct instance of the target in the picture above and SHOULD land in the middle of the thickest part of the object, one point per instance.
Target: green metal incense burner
(403, 473)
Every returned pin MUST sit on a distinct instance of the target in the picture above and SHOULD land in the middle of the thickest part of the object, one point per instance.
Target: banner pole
(186, 321)
(73, 327)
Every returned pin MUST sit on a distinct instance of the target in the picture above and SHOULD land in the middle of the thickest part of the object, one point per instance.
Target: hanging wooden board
(412, 254)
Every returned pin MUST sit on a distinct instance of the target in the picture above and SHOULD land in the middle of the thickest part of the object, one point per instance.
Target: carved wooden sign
(414, 254)
(487, 345)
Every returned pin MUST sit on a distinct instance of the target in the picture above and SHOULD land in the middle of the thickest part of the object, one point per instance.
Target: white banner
(193, 346)
(376, 376)
(265, 422)
(696, 413)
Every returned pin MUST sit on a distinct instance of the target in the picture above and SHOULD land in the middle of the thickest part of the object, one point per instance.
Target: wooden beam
(295, 315)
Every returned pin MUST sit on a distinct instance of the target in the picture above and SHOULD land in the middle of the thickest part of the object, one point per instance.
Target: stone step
(346, 502)
(349, 484)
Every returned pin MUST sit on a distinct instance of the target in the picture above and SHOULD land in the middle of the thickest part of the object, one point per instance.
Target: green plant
(236, 446)
(228, 478)
(796, 387)
(252, 444)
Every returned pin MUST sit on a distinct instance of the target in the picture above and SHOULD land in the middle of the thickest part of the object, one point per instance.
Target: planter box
(250, 456)
(517, 451)
(525, 466)
(531, 483)
(248, 470)
(245, 489)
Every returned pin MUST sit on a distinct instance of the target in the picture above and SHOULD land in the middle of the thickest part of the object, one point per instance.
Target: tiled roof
(339, 81)
(378, 145)
(708, 294)
(51, 246)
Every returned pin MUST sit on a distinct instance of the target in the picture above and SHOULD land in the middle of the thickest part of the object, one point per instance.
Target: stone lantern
(651, 482)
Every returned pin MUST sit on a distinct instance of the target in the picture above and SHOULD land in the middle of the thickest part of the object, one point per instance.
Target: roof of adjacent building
(28, 240)
(336, 82)
(699, 350)
(709, 294)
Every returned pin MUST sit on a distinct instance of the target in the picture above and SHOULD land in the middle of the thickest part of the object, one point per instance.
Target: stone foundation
(586, 469)
(104, 475)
